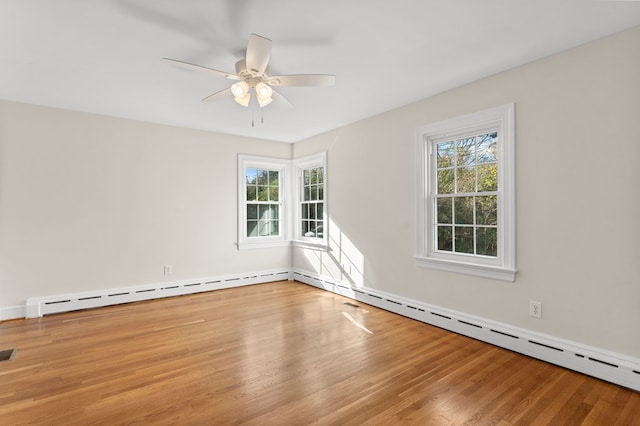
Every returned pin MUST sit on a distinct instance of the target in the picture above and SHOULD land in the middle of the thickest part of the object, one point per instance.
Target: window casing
(465, 200)
(262, 202)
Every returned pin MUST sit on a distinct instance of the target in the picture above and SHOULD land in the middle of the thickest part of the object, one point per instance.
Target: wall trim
(606, 365)
(38, 306)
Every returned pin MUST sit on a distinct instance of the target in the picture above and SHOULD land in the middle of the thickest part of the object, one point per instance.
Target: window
(466, 194)
(262, 214)
(310, 201)
(273, 190)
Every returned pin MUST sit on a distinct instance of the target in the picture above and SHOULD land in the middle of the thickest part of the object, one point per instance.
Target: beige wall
(91, 202)
(578, 198)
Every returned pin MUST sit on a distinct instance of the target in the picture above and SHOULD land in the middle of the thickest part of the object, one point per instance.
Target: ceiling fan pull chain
(261, 115)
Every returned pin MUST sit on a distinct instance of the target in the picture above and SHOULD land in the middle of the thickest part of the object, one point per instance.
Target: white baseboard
(606, 365)
(12, 312)
(610, 366)
(39, 306)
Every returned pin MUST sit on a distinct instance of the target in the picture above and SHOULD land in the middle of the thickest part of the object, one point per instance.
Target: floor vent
(7, 355)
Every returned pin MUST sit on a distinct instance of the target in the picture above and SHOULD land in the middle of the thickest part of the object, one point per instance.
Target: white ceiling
(103, 56)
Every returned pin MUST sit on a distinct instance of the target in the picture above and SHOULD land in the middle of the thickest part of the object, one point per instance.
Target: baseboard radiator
(596, 362)
(39, 306)
(605, 365)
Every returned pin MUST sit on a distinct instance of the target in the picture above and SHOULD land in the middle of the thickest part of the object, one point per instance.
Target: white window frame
(299, 165)
(502, 267)
(282, 166)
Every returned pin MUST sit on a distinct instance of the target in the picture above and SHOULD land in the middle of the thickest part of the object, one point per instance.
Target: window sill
(246, 245)
(483, 271)
(311, 245)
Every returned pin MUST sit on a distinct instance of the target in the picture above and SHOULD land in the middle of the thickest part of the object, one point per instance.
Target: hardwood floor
(282, 353)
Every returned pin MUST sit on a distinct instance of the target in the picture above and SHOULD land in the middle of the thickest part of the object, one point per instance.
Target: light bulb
(240, 89)
(263, 90)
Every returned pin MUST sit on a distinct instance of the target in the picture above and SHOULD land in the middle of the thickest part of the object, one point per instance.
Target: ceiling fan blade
(281, 99)
(302, 80)
(258, 54)
(201, 68)
(218, 95)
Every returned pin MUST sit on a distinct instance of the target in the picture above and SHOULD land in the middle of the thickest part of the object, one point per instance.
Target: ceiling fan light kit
(251, 73)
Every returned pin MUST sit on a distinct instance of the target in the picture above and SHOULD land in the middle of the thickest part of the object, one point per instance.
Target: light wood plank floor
(282, 353)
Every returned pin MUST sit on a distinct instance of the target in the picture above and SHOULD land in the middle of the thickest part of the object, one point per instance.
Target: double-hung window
(282, 202)
(466, 194)
(262, 196)
(310, 215)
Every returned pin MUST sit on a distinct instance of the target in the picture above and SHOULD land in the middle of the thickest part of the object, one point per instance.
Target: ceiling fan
(251, 74)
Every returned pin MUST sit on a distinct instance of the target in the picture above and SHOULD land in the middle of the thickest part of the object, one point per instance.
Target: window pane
(305, 211)
(466, 179)
(312, 211)
(463, 210)
(487, 210)
(320, 211)
(252, 211)
(275, 228)
(274, 211)
(488, 148)
(274, 178)
(252, 193)
(313, 176)
(445, 241)
(252, 228)
(464, 239)
(263, 177)
(445, 210)
(445, 181)
(466, 152)
(263, 212)
(320, 174)
(487, 241)
(488, 177)
(306, 229)
(263, 193)
(274, 193)
(445, 154)
(252, 175)
(320, 229)
(321, 193)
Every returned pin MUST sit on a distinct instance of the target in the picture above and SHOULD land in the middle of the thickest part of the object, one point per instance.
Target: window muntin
(312, 203)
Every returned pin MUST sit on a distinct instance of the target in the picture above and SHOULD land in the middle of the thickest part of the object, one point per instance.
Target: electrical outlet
(535, 309)
(168, 269)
